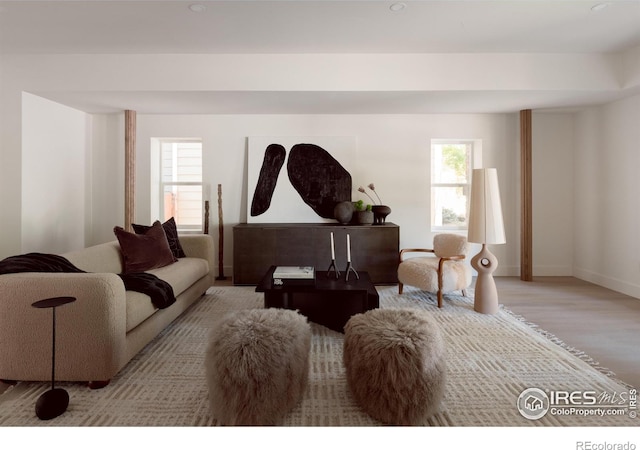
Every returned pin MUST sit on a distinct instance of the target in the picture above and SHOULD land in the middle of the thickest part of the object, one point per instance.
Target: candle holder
(333, 259)
(350, 269)
(349, 266)
(335, 268)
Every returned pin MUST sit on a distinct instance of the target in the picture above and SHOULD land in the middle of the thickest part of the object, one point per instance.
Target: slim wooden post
(129, 167)
(220, 237)
(206, 217)
(526, 239)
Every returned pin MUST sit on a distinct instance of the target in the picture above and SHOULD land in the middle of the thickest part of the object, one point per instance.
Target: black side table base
(52, 403)
(56, 400)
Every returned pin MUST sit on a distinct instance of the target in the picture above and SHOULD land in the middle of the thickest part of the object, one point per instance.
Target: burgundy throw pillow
(171, 230)
(144, 251)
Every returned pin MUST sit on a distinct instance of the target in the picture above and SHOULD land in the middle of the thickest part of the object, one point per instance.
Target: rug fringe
(574, 351)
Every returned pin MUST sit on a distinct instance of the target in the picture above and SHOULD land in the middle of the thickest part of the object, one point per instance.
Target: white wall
(584, 173)
(10, 161)
(552, 190)
(393, 152)
(107, 177)
(53, 176)
(392, 149)
(606, 246)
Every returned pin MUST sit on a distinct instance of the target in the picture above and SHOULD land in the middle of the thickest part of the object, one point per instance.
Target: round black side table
(55, 401)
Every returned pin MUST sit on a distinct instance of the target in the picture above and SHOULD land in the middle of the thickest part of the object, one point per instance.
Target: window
(180, 181)
(451, 167)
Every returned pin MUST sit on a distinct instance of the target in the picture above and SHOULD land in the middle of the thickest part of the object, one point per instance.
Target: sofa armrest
(90, 332)
(200, 246)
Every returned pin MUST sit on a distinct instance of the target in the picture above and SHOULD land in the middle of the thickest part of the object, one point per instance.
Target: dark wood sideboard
(258, 246)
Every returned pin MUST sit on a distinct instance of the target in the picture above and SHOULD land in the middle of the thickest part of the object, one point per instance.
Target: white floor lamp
(485, 227)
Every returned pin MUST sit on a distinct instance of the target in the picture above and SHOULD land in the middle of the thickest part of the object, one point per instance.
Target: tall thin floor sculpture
(220, 237)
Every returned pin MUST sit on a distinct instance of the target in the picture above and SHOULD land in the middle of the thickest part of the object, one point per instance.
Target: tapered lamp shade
(485, 227)
(485, 214)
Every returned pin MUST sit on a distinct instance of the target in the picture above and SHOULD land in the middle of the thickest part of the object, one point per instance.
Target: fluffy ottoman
(257, 366)
(395, 364)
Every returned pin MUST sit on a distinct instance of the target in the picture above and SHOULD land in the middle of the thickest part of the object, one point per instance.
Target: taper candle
(348, 249)
(333, 248)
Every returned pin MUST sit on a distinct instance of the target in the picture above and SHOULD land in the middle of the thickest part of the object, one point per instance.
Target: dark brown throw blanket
(160, 291)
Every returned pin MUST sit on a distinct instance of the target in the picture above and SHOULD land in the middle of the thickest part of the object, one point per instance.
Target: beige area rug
(491, 360)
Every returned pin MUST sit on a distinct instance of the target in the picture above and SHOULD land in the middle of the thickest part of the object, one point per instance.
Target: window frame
(158, 144)
(474, 159)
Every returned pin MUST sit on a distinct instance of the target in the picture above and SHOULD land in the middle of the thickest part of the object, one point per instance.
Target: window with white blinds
(181, 187)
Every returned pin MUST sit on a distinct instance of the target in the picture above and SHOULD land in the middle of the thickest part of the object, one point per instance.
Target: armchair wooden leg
(464, 293)
(440, 284)
(400, 287)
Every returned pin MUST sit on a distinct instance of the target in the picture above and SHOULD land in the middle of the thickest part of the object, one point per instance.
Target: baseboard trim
(227, 271)
(552, 271)
(614, 284)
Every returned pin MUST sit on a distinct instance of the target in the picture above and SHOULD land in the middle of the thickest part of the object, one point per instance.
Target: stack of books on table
(294, 276)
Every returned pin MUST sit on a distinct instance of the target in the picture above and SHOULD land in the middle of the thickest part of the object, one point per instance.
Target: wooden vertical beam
(129, 167)
(526, 238)
(220, 237)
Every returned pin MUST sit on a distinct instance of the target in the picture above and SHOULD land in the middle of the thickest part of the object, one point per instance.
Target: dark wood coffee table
(330, 302)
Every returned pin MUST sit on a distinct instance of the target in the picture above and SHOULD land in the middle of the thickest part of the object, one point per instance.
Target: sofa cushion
(98, 258)
(142, 252)
(139, 308)
(180, 275)
(183, 273)
(171, 230)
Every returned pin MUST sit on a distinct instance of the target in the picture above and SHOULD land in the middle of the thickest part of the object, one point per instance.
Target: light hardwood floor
(602, 323)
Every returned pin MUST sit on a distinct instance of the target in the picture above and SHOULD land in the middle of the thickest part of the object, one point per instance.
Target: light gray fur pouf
(257, 366)
(395, 364)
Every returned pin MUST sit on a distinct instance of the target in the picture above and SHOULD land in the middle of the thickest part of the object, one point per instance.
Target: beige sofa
(105, 327)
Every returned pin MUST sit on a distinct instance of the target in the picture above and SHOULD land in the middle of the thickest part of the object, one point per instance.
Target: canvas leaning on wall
(284, 203)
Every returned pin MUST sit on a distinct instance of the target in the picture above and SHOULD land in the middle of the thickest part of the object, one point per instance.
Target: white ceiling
(325, 26)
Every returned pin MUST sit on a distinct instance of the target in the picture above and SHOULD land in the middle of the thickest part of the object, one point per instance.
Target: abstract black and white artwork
(298, 179)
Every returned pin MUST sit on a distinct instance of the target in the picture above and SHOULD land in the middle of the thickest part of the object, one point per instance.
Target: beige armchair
(445, 271)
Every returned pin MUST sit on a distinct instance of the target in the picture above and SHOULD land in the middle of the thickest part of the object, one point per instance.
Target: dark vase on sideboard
(380, 213)
(343, 212)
